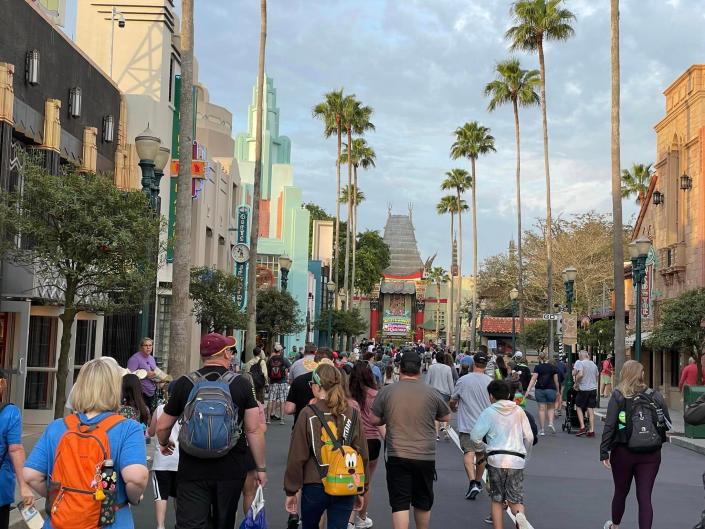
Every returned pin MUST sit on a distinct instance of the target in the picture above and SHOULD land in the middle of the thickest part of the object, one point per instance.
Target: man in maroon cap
(209, 489)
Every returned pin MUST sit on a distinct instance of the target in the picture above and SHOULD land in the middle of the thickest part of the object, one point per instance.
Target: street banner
(570, 328)
(243, 215)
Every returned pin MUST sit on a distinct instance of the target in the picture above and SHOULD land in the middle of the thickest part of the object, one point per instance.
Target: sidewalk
(30, 436)
(677, 435)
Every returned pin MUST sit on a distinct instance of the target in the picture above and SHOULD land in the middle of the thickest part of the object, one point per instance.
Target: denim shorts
(545, 396)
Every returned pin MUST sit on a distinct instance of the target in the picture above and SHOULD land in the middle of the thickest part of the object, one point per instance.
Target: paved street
(565, 487)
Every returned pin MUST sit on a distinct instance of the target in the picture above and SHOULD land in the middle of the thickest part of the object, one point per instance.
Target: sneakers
(559, 413)
(541, 433)
(590, 434)
(488, 519)
(552, 429)
(608, 525)
(474, 489)
(522, 522)
(363, 523)
(581, 432)
(293, 522)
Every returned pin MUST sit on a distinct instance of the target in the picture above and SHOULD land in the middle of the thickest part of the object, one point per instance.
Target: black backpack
(646, 423)
(258, 380)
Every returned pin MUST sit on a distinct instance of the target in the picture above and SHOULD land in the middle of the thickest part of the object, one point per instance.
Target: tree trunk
(474, 257)
(67, 318)
(520, 262)
(458, 321)
(336, 241)
(450, 322)
(251, 337)
(354, 232)
(617, 233)
(549, 220)
(348, 226)
(181, 316)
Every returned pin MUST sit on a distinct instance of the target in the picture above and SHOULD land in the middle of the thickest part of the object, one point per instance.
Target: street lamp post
(514, 295)
(638, 251)
(148, 150)
(284, 267)
(483, 308)
(569, 275)
(331, 289)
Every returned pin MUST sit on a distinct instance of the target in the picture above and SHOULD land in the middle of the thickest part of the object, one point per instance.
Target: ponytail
(329, 378)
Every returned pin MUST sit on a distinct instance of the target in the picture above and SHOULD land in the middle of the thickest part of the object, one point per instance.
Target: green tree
(355, 119)
(635, 181)
(536, 336)
(599, 336)
(437, 276)
(472, 140)
(213, 294)
(518, 87)
(85, 239)
(535, 22)
(330, 112)
(344, 323)
(373, 258)
(278, 314)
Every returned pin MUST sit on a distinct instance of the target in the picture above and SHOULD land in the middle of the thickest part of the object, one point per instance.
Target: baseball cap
(214, 343)
(480, 358)
(410, 357)
(518, 355)
(278, 347)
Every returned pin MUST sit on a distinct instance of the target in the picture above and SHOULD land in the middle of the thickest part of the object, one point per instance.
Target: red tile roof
(502, 325)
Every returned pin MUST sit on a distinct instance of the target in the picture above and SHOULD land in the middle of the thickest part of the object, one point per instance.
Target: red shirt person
(689, 375)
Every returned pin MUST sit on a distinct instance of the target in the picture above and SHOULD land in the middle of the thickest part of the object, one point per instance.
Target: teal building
(284, 223)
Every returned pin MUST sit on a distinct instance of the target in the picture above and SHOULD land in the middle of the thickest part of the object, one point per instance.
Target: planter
(690, 395)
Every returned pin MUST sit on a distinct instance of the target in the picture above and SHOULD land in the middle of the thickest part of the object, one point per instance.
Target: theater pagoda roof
(405, 260)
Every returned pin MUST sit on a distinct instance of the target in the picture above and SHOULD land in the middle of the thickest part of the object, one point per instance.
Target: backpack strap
(337, 443)
(195, 377)
(228, 377)
(353, 423)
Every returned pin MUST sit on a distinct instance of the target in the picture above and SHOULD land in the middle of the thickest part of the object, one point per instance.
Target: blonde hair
(330, 379)
(98, 387)
(631, 378)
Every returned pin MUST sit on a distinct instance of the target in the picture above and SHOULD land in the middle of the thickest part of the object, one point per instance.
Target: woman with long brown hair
(620, 454)
(305, 465)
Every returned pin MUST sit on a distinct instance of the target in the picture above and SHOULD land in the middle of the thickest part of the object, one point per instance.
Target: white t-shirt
(588, 382)
(162, 462)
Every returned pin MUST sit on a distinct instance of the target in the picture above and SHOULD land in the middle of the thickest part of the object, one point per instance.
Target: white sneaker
(541, 433)
(552, 429)
(608, 525)
(522, 522)
(351, 525)
(363, 523)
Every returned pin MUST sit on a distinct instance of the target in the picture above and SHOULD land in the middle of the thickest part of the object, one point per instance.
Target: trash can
(690, 395)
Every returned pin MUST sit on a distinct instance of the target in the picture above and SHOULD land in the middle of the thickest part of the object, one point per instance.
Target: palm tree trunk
(450, 337)
(354, 230)
(348, 226)
(458, 321)
(617, 232)
(336, 243)
(251, 338)
(474, 256)
(549, 220)
(181, 318)
(520, 262)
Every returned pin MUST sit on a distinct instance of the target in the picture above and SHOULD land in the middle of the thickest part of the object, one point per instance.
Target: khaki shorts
(465, 443)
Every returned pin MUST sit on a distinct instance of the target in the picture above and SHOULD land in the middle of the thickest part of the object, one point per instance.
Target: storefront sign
(396, 324)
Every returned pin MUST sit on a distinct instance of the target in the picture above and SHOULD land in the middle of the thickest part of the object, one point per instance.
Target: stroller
(571, 414)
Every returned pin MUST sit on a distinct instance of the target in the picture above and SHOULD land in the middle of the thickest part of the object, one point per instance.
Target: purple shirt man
(143, 359)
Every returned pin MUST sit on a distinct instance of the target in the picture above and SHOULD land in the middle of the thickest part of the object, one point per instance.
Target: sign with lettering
(647, 287)
(243, 215)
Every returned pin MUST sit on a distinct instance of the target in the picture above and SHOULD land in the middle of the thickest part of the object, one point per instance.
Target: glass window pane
(41, 349)
(39, 391)
(85, 341)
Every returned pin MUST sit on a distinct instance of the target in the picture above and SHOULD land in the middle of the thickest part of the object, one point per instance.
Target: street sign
(551, 316)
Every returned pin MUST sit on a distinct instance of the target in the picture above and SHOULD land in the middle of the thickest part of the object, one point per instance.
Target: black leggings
(643, 469)
(4, 516)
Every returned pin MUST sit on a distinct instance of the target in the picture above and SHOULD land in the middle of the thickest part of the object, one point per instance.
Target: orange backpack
(81, 495)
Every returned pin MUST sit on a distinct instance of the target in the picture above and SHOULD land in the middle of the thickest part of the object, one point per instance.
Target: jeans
(314, 502)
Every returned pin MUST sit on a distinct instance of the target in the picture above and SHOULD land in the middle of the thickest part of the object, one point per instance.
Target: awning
(629, 340)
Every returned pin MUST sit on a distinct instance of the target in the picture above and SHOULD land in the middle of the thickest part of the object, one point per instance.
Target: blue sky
(422, 65)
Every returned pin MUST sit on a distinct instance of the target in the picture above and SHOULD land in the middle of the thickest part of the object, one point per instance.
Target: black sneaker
(488, 519)
(475, 489)
(467, 494)
(293, 522)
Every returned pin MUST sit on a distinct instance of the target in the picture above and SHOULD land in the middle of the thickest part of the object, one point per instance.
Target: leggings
(643, 469)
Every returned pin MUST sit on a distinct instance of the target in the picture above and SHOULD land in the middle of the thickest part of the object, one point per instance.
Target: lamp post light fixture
(116, 14)
(31, 73)
(160, 161)
(108, 128)
(75, 102)
(569, 274)
(514, 296)
(284, 267)
(686, 182)
(657, 198)
(638, 252)
(330, 286)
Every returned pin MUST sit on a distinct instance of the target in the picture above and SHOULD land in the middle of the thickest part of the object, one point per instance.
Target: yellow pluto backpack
(344, 475)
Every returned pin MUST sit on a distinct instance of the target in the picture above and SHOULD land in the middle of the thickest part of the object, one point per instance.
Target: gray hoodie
(505, 427)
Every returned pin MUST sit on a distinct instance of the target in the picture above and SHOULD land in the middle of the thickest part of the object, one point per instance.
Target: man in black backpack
(209, 487)
(278, 371)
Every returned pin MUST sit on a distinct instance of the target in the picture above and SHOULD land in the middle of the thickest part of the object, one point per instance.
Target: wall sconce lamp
(108, 129)
(686, 182)
(32, 67)
(658, 198)
(75, 102)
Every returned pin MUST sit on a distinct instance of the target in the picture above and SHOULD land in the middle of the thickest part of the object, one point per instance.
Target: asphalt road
(566, 486)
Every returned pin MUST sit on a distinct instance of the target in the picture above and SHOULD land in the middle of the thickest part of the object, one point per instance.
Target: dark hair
(410, 368)
(482, 349)
(132, 396)
(447, 359)
(361, 378)
(502, 366)
(310, 349)
(257, 351)
(464, 369)
(378, 357)
(389, 370)
(323, 352)
(369, 356)
(499, 390)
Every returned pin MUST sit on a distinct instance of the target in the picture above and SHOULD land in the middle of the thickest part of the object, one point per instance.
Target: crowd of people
(349, 411)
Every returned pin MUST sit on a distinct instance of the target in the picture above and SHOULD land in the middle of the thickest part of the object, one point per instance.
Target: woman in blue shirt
(96, 395)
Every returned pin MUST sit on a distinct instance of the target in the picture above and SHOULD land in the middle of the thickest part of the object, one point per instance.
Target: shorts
(506, 484)
(545, 396)
(410, 483)
(278, 391)
(586, 399)
(374, 447)
(606, 379)
(466, 444)
(164, 484)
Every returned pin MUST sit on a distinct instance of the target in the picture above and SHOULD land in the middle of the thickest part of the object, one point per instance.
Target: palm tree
(449, 204)
(640, 173)
(355, 119)
(460, 181)
(357, 195)
(181, 318)
(362, 156)
(330, 112)
(537, 21)
(635, 181)
(251, 337)
(437, 276)
(472, 140)
(518, 87)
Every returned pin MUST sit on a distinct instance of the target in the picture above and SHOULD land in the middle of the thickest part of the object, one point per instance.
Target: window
(171, 79)
(267, 270)
(669, 257)
(85, 344)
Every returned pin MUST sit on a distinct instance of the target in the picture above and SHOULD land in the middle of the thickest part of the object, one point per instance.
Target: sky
(422, 65)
